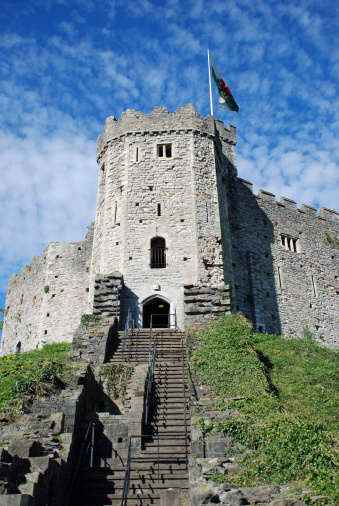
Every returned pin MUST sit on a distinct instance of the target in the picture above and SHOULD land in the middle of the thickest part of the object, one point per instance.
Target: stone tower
(161, 219)
(178, 232)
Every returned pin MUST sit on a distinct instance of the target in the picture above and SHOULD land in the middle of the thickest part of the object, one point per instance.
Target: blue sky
(68, 64)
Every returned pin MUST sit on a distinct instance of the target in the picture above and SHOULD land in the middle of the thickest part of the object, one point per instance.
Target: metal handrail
(119, 290)
(169, 324)
(184, 395)
(81, 461)
(129, 325)
(150, 340)
(150, 378)
(127, 475)
(129, 458)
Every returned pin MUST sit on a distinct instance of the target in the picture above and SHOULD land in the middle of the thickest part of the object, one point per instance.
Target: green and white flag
(226, 99)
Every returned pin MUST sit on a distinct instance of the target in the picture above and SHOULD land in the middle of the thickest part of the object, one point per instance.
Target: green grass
(289, 411)
(25, 375)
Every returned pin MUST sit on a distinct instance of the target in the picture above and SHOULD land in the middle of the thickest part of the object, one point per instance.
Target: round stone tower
(161, 217)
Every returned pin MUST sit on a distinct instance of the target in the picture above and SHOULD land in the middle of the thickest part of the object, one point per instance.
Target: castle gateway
(179, 238)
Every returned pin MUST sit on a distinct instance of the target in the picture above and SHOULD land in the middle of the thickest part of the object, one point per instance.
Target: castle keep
(179, 236)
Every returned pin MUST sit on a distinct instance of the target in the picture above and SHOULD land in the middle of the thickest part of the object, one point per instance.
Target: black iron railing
(118, 298)
(150, 378)
(164, 321)
(184, 397)
(126, 341)
(87, 445)
(132, 445)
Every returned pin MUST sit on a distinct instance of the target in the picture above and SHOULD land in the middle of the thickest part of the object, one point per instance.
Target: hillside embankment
(278, 399)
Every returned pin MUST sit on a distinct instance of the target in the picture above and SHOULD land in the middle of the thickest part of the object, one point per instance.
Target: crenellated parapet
(161, 121)
(324, 212)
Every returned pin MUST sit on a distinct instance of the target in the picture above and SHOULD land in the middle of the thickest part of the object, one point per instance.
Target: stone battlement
(324, 212)
(160, 121)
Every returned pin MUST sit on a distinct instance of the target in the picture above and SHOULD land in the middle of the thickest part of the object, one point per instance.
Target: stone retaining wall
(202, 303)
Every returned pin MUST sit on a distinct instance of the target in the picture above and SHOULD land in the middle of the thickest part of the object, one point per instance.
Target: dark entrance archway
(160, 309)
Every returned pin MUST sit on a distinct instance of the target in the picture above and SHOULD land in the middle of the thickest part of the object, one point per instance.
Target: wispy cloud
(66, 66)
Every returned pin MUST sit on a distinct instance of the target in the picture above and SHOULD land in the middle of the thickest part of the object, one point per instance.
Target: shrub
(86, 319)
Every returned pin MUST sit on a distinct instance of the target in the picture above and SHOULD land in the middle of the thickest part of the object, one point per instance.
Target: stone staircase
(161, 463)
(168, 343)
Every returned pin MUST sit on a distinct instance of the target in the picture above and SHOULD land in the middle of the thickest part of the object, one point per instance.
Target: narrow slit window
(158, 209)
(314, 287)
(137, 154)
(280, 278)
(115, 212)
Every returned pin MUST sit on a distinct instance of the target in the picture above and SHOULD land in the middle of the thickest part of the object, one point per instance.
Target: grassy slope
(289, 414)
(24, 375)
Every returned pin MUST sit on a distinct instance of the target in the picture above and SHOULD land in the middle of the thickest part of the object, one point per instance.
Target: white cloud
(57, 86)
(48, 193)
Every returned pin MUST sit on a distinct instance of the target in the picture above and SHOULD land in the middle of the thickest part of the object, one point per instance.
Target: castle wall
(174, 176)
(143, 195)
(46, 300)
(282, 290)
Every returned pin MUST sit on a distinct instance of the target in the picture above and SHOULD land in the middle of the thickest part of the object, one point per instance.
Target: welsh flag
(226, 99)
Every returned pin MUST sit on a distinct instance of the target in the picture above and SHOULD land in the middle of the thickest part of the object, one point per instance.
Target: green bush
(86, 319)
(117, 377)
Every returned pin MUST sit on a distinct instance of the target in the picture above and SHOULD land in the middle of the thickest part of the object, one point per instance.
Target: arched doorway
(158, 309)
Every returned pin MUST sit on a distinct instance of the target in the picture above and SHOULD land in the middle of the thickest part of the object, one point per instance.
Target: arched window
(158, 253)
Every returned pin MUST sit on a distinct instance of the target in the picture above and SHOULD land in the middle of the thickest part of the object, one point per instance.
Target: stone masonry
(170, 179)
(46, 300)
(285, 264)
(144, 193)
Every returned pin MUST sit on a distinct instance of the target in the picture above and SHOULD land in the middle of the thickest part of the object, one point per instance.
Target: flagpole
(209, 77)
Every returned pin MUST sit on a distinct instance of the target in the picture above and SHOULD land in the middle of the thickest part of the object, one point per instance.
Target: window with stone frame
(289, 243)
(164, 150)
(158, 253)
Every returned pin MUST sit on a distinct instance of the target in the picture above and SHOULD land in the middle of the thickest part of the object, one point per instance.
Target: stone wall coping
(288, 202)
(308, 209)
(263, 194)
(328, 213)
(324, 212)
(247, 183)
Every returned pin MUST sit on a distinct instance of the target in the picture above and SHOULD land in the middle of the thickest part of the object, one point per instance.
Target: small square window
(164, 150)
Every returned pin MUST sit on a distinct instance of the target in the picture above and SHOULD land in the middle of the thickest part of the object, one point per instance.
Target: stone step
(106, 474)
(114, 484)
(104, 485)
(164, 411)
(168, 394)
(161, 419)
(147, 466)
(133, 499)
